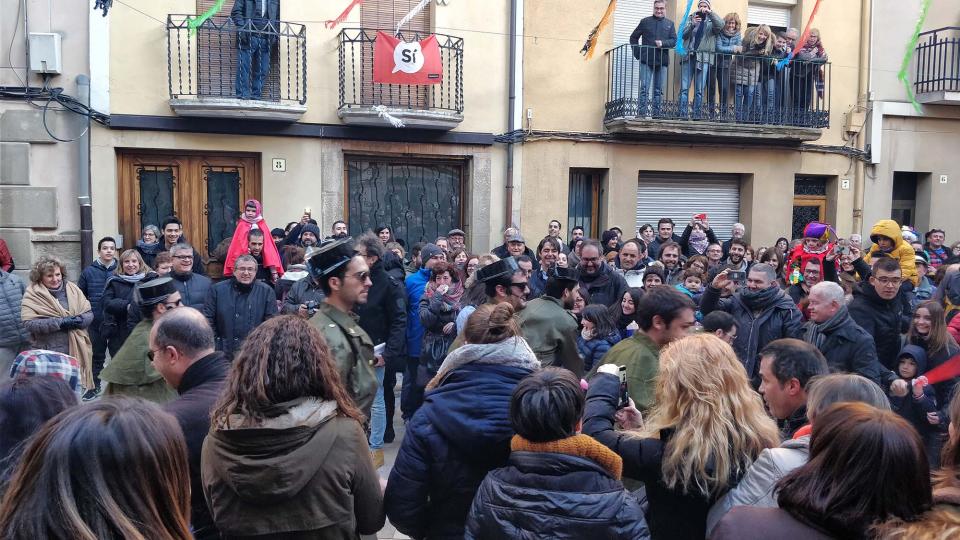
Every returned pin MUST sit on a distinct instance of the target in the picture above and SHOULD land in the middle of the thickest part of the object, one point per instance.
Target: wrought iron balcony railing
(357, 89)
(221, 59)
(938, 61)
(715, 87)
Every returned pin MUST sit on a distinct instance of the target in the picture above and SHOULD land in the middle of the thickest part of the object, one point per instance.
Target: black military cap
(496, 270)
(155, 291)
(331, 254)
(563, 274)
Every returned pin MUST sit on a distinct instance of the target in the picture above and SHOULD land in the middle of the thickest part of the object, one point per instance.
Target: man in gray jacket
(659, 36)
(700, 39)
(13, 336)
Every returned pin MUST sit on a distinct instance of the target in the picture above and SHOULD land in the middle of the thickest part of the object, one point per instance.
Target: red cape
(238, 247)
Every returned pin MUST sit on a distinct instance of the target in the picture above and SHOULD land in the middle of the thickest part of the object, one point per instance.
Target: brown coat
(753, 523)
(304, 473)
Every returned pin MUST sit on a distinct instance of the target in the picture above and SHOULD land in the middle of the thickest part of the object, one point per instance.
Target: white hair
(830, 291)
(739, 226)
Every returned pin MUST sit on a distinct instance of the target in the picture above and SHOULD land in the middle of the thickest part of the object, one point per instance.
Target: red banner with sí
(398, 62)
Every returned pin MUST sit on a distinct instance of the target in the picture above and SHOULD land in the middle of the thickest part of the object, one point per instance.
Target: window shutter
(772, 16)
(385, 14)
(626, 18)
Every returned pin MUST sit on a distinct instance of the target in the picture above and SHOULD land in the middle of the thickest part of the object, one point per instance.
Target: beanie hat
(701, 2)
(278, 233)
(429, 251)
(310, 227)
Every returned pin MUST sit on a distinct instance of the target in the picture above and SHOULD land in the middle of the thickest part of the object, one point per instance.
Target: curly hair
(46, 264)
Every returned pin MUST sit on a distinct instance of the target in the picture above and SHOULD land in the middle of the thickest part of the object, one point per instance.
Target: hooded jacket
(901, 249)
(302, 473)
(461, 432)
(913, 409)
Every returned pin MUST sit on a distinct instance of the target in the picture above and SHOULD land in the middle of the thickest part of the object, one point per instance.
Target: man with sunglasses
(130, 371)
(345, 279)
(237, 305)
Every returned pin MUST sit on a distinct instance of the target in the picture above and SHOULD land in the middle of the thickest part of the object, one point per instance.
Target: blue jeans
(255, 51)
(743, 101)
(378, 414)
(698, 72)
(655, 76)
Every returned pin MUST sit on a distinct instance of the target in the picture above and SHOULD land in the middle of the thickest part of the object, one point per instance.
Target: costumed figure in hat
(269, 257)
(817, 242)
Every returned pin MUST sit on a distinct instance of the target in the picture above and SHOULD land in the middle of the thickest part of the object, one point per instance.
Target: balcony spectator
(808, 74)
(258, 30)
(700, 39)
(658, 35)
(757, 42)
(729, 42)
(776, 82)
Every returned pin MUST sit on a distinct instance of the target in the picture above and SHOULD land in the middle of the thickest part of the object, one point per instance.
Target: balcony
(744, 98)
(433, 106)
(204, 79)
(938, 67)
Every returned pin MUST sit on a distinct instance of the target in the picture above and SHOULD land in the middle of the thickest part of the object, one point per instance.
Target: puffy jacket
(461, 433)
(384, 316)
(954, 329)
(652, 29)
(193, 288)
(12, 331)
(594, 349)
(234, 310)
(882, 319)
(607, 287)
(746, 67)
(780, 318)
(303, 291)
(725, 46)
(758, 485)
(550, 495)
(415, 284)
(93, 280)
(116, 303)
(901, 249)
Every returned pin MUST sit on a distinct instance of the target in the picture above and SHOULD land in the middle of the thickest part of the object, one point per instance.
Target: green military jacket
(641, 356)
(131, 373)
(352, 350)
(551, 332)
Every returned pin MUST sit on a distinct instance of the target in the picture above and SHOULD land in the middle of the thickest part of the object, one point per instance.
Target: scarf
(39, 303)
(759, 300)
(818, 332)
(451, 298)
(578, 445)
(252, 221)
(135, 278)
(698, 241)
(511, 352)
(149, 249)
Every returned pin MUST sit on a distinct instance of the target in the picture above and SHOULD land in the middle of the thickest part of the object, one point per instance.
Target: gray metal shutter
(627, 16)
(626, 70)
(680, 195)
(769, 15)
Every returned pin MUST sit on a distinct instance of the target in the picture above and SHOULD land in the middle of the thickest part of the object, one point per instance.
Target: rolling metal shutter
(626, 71)
(679, 196)
(769, 15)
(627, 16)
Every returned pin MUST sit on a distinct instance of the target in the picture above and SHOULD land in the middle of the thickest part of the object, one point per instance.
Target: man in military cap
(505, 281)
(131, 371)
(345, 279)
(549, 328)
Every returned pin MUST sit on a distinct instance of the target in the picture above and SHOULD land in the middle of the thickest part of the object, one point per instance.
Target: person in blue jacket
(411, 394)
(598, 335)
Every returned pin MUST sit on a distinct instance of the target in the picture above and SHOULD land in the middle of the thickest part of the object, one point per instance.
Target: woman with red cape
(252, 218)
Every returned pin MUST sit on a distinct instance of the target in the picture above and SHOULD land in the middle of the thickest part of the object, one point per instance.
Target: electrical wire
(16, 28)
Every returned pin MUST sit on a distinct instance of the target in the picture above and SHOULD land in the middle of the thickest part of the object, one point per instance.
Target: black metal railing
(357, 88)
(222, 59)
(938, 61)
(716, 87)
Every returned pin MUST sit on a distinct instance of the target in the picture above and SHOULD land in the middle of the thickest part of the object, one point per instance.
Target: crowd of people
(669, 385)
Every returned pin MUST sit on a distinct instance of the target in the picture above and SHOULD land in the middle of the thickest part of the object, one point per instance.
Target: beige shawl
(38, 303)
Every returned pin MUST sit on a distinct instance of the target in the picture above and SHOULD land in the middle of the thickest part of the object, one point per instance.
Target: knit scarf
(39, 303)
(579, 445)
(818, 332)
(511, 352)
(758, 300)
(135, 278)
(150, 249)
(451, 298)
(699, 242)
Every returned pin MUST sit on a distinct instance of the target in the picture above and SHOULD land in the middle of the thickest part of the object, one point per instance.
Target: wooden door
(205, 191)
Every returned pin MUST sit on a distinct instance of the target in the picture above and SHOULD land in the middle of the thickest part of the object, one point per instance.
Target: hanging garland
(413, 13)
(803, 38)
(681, 50)
(908, 54)
(194, 23)
(382, 113)
(591, 44)
(343, 16)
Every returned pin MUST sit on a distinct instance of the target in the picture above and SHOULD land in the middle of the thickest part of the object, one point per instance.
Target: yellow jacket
(901, 250)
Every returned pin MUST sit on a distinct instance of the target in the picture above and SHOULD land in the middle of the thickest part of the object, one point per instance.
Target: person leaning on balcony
(658, 35)
(700, 39)
(729, 42)
(809, 73)
(757, 41)
(258, 23)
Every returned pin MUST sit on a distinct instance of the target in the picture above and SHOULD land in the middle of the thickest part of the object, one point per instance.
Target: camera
(624, 393)
(311, 306)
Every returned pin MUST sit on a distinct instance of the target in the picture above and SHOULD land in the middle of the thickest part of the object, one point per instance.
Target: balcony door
(217, 57)
(385, 15)
(205, 191)
(584, 201)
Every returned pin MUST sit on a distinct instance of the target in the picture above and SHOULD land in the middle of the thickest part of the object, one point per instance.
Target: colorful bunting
(908, 54)
(803, 38)
(194, 23)
(343, 16)
(591, 44)
(681, 50)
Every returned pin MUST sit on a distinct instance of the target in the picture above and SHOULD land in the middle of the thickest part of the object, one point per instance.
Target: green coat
(131, 373)
(352, 350)
(641, 356)
(551, 332)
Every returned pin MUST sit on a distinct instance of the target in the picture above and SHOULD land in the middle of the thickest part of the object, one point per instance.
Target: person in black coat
(182, 342)
(117, 292)
(604, 284)
(193, 287)
(236, 306)
(558, 483)
(878, 309)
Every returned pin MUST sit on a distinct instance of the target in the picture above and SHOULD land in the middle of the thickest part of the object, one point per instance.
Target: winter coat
(778, 319)
(45, 332)
(199, 390)
(653, 250)
(554, 495)
(537, 283)
(116, 301)
(746, 67)
(641, 356)
(93, 280)
(850, 349)
(303, 291)
(352, 350)
(725, 46)
(435, 314)
(673, 514)
(234, 310)
(415, 284)
(194, 288)
(901, 249)
(593, 350)
(750, 523)
(12, 331)
(758, 485)
(130, 371)
(551, 332)
(685, 247)
(384, 316)
(652, 29)
(944, 390)
(708, 43)
(293, 274)
(606, 287)
(304, 473)
(882, 319)
(6, 260)
(461, 433)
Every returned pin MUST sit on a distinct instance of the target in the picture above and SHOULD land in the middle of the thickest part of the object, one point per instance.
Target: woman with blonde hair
(706, 427)
(57, 314)
(116, 300)
(757, 42)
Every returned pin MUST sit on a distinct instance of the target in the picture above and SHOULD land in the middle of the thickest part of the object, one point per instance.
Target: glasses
(152, 351)
(183, 257)
(888, 282)
(171, 305)
(362, 276)
(520, 285)
(243, 270)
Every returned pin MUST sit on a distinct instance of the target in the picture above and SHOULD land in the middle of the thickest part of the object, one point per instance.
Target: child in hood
(887, 238)
(598, 335)
(252, 218)
(815, 245)
(921, 402)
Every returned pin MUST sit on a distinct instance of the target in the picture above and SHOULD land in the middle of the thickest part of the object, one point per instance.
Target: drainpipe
(26, 46)
(83, 178)
(515, 22)
(863, 93)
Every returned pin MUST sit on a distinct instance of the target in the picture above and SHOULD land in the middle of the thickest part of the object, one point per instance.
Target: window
(583, 201)
(903, 209)
(776, 17)
(809, 202)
